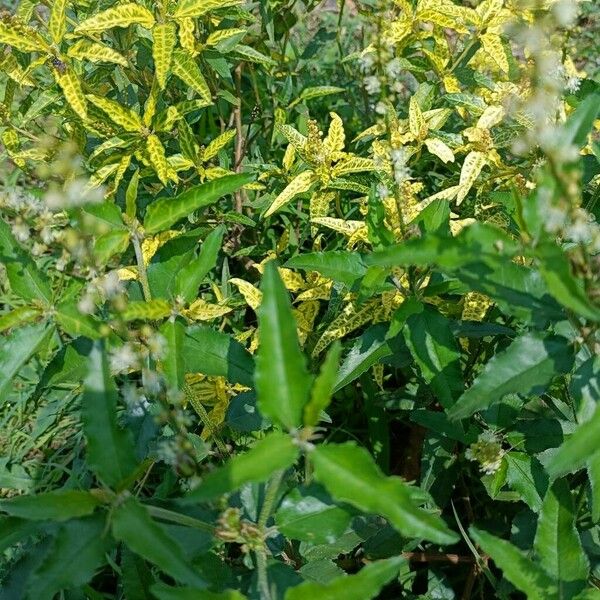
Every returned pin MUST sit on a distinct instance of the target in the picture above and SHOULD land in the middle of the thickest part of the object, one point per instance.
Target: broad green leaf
(579, 447)
(322, 388)
(57, 505)
(164, 212)
(132, 525)
(172, 363)
(110, 449)
(282, 381)
(192, 275)
(581, 121)
(525, 367)
(13, 530)
(16, 349)
(526, 476)
(345, 267)
(111, 243)
(364, 585)
(431, 342)
(350, 474)
(18, 316)
(275, 452)
(557, 542)
(165, 592)
(136, 576)
(212, 352)
(523, 573)
(76, 324)
(309, 515)
(25, 279)
(77, 551)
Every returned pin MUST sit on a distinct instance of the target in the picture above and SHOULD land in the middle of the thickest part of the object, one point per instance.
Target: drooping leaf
(526, 366)
(350, 474)
(365, 584)
(58, 505)
(164, 212)
(275, 452)
(110, 449)
(522, 572)
(132, 525)
(282, 380)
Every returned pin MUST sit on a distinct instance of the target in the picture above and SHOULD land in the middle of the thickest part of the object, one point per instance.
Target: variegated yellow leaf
(178, 162)
(344, 226)
(319, 204)
(293, 136)
(164, 38)
(156, 154)
(334, 142)
(494, 48)
(474, 162)
(451, 84)
(197, 8)
(416, 120)
(71, 87)
(491, 116)
(457, 225)
(353, 165)
(217, 144)
(101, 175)
(351, 318)
(57, 24)
(300, 184)
(10, 66)
(122, 15)
(127, 273)
(95, 52)
(200, 310)
(123, 166)
(252, 295)
(289, 157)
(305, 314)
(224, 34)
(20, 36)
(151, 310)
(119, 114)
(185, 67)
(186, 31)
(475, 306)
(150, 245)
(441, 150)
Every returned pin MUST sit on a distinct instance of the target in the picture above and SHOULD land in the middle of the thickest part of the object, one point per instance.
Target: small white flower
(372, 85)
(123, 359)
(86, 305)
(565, 12)
(394, 68)
(21, 231)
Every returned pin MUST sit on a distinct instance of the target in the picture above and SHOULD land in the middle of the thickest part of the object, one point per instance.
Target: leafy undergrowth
(299, 300)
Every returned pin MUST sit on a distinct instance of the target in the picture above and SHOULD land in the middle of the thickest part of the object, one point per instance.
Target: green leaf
(526, 476)
(192, 275)
(16, 349)
(364, 585)
(309, 515)
(557, 542)
(350, 475)
(581, 445)
(274, 452)
(367, 350)
(212, 352)
(517, 568)
(322, 388)
(58, 505)
(165, 212)
(165, 592)
(430, 340)
(132, 525)
(345, 267)
(76, 324)
(110, 449)
(581, 121)
(568, 290)
(77, 551)
(25, 279)
(110, 243)
(172, 363)
(525, 367)
(282, 381)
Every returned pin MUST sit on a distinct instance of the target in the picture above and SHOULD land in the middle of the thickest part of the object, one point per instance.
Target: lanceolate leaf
(191, 276)
(164, 212)
(78, 550)
(123, 15)
(16, 349)
(350, 474)
(197, 8)
(275, 452)
(56, 506)
(557, 542)
(132, 525)
(365, 584)
(523, 573)
(110, 450)
(344, 267)
(525, 367)
(164, 38)
(282, 381)
(185, 67)
(172, 363)
(322, 388)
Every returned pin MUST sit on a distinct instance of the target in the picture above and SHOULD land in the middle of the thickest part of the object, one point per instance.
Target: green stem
(142, 273)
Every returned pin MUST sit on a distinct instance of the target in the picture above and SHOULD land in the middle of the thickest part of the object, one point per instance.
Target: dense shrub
(299, 300)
